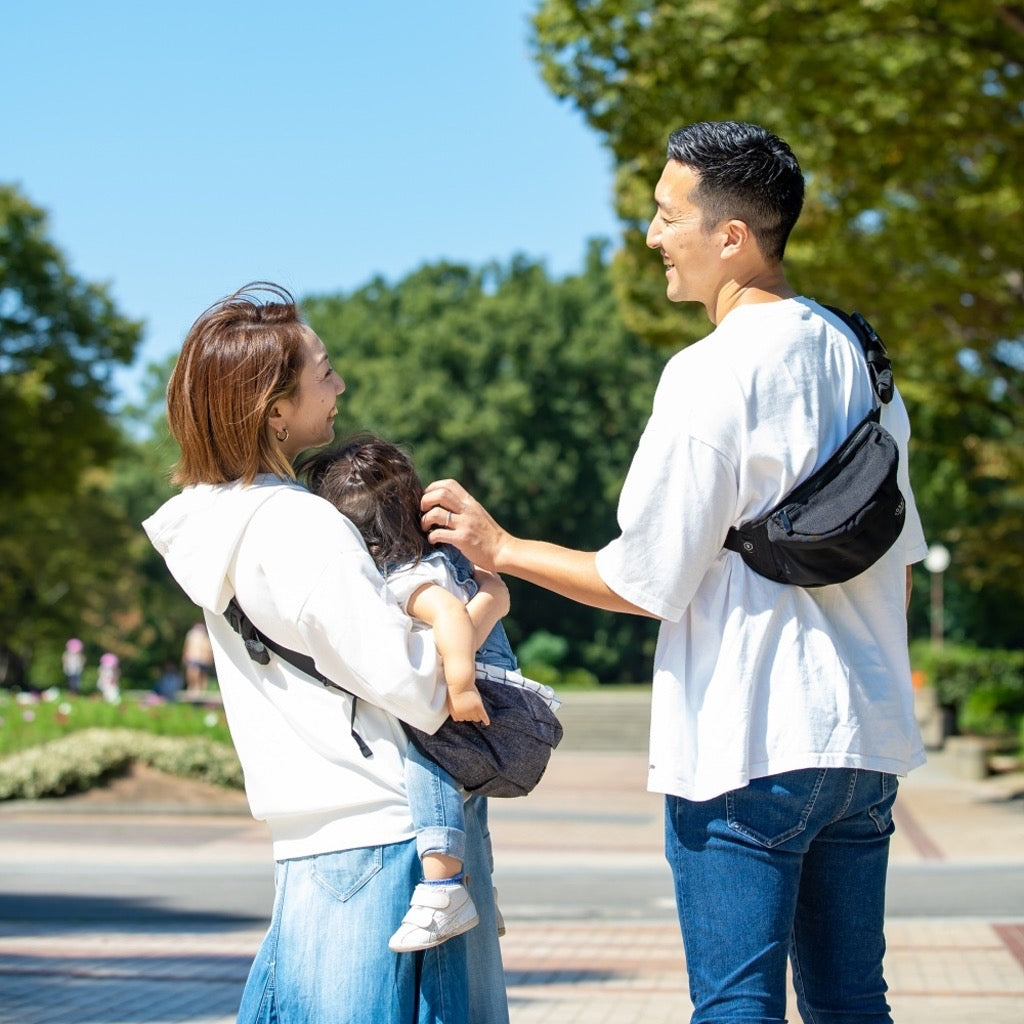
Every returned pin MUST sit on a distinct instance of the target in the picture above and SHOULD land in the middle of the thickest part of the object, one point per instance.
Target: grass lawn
(28, 720)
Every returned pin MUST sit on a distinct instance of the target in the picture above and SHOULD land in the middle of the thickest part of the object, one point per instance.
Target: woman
(252, 388)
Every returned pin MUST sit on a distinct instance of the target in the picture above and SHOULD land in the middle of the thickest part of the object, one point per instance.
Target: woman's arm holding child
(454, 635)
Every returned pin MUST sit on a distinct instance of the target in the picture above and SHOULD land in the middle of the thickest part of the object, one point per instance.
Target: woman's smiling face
(309, 414)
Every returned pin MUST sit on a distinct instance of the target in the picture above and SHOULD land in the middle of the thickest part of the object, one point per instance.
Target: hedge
(984, 686)
(82, 759)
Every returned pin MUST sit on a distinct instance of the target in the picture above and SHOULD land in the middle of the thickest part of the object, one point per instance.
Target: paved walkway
(941, 970)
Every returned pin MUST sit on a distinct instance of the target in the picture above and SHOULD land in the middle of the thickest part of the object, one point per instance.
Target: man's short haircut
(744, 172)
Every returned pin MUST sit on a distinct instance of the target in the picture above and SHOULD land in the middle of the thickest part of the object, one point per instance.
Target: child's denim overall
(435, 798)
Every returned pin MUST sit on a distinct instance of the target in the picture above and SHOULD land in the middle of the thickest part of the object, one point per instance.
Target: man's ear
(736, 237)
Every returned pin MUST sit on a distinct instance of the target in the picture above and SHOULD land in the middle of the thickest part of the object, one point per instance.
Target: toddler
(375, 485)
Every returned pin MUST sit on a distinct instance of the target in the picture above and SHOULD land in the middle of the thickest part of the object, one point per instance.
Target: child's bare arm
(456, 644)
(490, 605)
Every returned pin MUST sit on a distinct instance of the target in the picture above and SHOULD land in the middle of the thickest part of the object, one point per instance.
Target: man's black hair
(744, 172)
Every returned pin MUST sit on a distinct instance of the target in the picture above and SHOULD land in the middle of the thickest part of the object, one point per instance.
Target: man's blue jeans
(325, 958)
(791, 865)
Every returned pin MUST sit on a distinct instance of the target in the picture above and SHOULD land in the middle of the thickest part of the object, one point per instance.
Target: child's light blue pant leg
(435, 800)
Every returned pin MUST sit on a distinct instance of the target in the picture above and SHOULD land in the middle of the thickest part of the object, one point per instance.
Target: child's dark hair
(375, 485)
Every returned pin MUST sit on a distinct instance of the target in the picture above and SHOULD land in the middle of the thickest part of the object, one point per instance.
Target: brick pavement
(941, 970)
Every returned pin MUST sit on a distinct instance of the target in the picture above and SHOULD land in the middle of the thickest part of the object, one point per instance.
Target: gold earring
(281, 435)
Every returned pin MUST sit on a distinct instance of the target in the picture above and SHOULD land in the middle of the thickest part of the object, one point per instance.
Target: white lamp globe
(937, 559)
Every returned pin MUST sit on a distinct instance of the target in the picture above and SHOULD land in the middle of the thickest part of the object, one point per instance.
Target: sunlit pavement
(590, 815)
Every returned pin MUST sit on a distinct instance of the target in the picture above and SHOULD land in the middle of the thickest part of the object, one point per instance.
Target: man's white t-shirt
(752, 677)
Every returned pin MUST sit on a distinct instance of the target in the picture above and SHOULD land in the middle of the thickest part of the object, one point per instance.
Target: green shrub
(560, 679)
(985, 687)
(579, 679)
(193, 757)
(76, 762)
(991, 710)
(542, 672)
(542, 648)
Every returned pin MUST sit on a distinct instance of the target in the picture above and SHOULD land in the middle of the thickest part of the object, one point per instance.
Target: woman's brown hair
(241, 356)
(375, 485)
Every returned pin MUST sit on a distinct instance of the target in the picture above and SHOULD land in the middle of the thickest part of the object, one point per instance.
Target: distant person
(108, 682)
(253, 388)
(73, 663)
(169, 685)
(375, 485)
(780, 716)
(197, 657)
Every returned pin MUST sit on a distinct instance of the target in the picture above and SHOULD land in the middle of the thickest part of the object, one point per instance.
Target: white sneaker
(436, 914)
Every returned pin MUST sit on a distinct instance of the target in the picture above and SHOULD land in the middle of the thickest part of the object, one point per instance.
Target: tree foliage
(140, 483)
(62, 536)
(527, 390)
(908, 120)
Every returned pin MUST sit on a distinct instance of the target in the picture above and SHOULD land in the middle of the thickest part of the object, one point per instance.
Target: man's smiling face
(691, 253)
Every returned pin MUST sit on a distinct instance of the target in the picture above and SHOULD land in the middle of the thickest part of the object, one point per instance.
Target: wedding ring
(448, 521)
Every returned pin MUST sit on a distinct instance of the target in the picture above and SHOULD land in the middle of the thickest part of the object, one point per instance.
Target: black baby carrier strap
(506, 758)
(848, 513)
(259, 645)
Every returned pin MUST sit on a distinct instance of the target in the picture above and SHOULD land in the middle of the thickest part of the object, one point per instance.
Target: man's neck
(768, 285)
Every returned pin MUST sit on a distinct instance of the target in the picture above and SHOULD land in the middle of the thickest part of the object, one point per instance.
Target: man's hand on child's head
(451, 515)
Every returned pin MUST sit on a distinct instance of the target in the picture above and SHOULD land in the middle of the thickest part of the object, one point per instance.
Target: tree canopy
(527, 390)
(61, 534)
(908, 119)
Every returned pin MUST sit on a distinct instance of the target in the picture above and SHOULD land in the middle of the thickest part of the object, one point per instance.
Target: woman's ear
(275, 419)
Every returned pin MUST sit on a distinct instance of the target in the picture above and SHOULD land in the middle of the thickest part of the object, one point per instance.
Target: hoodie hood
(198, 532)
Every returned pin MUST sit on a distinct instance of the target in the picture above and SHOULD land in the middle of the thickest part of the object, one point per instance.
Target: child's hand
(468, 707)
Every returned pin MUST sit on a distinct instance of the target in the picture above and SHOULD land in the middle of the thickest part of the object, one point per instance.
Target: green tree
(61, 534)
(527, 390)
(909, 121)
(152, 635)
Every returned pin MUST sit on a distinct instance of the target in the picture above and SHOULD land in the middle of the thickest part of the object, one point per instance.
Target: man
(781, 716)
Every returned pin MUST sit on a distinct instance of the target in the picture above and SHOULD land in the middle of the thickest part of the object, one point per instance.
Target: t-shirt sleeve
(912, 540)
(676, 506)
(404, 582)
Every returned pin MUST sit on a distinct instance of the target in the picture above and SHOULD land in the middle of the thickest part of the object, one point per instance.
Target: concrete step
(610, 719)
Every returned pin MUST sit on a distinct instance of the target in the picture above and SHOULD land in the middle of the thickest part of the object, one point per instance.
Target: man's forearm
(565, 571)
(452, 515)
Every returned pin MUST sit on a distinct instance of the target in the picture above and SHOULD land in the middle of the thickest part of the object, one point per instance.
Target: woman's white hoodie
(301, 572)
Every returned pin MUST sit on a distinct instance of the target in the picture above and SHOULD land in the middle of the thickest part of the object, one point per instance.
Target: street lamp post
(937, 562)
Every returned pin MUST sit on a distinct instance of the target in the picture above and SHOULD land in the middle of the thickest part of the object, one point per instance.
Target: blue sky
(184, 149)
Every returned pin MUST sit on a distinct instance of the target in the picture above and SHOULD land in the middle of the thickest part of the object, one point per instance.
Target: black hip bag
(849, 512)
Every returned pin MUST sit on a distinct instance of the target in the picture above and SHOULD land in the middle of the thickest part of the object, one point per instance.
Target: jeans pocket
(343, 874)
(881, 812)
(776, 808)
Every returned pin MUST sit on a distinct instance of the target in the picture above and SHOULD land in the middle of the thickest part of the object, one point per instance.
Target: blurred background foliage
(527, 390)
(907, 118)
